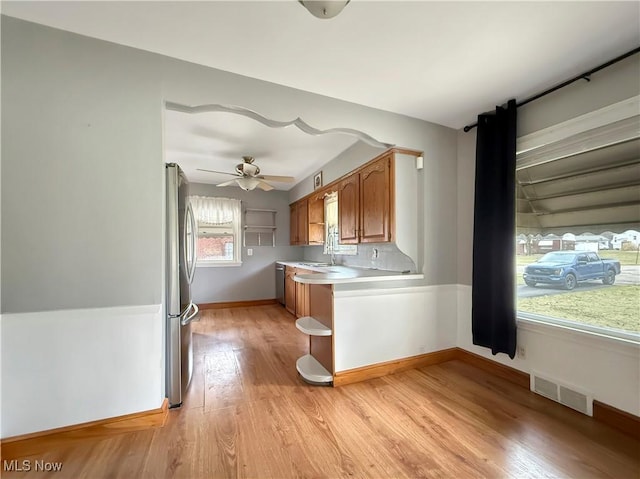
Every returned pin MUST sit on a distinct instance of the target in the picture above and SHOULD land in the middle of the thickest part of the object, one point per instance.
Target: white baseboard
(607, 367)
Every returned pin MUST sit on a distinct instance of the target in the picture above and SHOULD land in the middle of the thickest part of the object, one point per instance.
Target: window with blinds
(578, 190)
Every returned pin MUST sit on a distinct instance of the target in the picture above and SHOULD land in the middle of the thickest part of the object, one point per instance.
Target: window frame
(333, 246)
(607, 115)
(236, 227)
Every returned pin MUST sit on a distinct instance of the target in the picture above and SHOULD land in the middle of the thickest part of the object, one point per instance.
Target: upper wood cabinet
(307, 220)
(293, 224)
(299, 223)
(376, 196)
(349, 209)
(367, 205)
(316, 218)
(303, 222)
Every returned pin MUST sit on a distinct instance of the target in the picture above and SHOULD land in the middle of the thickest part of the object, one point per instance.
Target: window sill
(203, 264)
(546, 324)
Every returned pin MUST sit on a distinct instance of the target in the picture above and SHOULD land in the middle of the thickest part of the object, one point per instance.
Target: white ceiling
(218, 141)
(443, 62)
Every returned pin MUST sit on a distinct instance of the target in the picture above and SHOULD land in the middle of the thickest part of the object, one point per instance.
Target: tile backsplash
(389, 257)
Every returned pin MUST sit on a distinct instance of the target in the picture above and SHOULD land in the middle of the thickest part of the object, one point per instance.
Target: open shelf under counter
(312, 327)
(312, 371)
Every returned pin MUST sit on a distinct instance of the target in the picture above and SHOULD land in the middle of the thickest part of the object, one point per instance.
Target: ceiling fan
(248, 176)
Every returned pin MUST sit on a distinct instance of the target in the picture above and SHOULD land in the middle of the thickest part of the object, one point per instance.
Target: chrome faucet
(332, 239)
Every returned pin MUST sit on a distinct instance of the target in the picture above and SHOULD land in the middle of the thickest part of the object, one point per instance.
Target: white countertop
(338, 274)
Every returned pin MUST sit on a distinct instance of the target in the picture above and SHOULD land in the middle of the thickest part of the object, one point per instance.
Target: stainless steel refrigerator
(181, 266)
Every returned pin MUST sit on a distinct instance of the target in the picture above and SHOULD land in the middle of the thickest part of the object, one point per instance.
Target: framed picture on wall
(317, 180)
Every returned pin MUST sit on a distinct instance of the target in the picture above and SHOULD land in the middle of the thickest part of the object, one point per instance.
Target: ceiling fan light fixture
(324, 8)
(247, 183)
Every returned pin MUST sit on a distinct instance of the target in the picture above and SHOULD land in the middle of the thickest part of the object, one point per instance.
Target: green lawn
(625, 257)
(612, 307)
(525, 259)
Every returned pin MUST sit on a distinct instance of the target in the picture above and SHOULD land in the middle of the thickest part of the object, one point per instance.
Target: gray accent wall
(82, 185)
(350, 159)
(611, 85)
(82, 179)
(255, 278)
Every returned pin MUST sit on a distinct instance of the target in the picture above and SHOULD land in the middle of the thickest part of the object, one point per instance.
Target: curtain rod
(584, 76)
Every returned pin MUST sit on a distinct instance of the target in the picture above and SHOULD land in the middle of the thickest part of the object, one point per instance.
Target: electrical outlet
(522, 352)
(249, 252)
(374, 253)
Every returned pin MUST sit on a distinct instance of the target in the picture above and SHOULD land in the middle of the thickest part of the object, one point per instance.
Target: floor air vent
(563, 394)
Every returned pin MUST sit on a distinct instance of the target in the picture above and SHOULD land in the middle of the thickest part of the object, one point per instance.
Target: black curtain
(493, 316)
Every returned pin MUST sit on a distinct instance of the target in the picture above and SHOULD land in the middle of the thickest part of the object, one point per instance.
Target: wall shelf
(312, 327)
(312, 371)
(259, 227)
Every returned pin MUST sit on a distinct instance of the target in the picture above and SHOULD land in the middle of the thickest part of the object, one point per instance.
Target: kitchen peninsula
(361, 322)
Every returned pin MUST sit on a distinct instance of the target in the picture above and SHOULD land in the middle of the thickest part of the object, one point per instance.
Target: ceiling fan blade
(227, 183)
(263, 185)
(281, 179)
(218, 172)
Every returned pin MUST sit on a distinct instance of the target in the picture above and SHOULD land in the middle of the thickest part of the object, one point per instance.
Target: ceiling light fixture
(247, 183)
(324, 9)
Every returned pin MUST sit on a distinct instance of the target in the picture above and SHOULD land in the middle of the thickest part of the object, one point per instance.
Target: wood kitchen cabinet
(293, 224)
(302, 295)
(365, 204)
(296, 295)
(299, 223)
(302, 299)
(317, 367)
(376, 195)
(303, 222)
(290, 289)
(349, 209)
(316, 218)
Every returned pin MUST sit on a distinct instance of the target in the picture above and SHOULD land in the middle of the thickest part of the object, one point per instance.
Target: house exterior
(538, 244)
(82, 159)
(630, 239)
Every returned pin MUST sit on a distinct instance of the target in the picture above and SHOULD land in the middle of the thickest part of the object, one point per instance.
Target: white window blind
(215, 211)
(219, 230)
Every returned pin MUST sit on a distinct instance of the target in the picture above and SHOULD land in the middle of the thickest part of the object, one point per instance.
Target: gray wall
(255, 279)
(347, 161)
(611, 85)
(83, 177)
(82, 162)
(608, 86)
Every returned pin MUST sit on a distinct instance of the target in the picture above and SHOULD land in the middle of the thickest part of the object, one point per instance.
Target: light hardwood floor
(247, 414)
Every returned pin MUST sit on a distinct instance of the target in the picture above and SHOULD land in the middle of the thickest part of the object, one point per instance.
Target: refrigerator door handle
(186, 318)
(190, 259)
(194, 240)
(183, 313)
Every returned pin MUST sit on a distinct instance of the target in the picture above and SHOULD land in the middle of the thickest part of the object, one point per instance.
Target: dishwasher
(280, 283)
